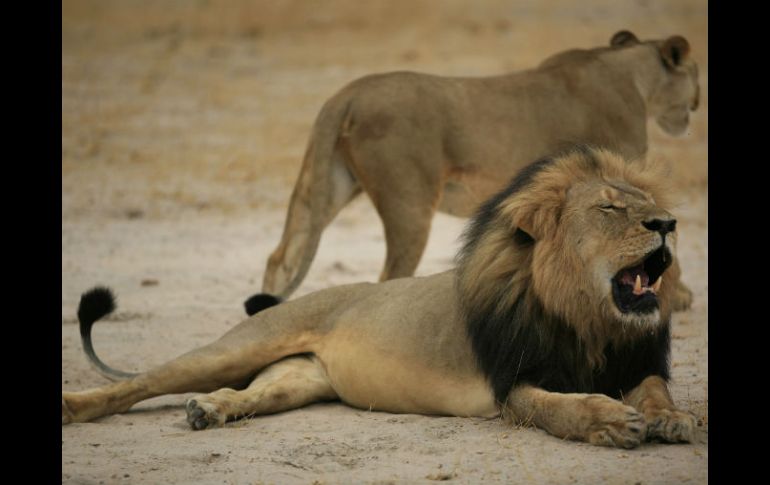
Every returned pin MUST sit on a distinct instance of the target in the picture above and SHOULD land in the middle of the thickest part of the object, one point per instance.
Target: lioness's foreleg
(287, 384)
(664, 421)
(681, 298)
(595, 418)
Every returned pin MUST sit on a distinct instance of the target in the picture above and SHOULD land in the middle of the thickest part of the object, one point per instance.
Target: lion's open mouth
(635, 288)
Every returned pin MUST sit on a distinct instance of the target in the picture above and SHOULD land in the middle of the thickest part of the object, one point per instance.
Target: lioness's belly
(402, 349)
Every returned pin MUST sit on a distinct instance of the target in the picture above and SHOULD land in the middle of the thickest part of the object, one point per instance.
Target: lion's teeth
(656, 285)
(638, 285)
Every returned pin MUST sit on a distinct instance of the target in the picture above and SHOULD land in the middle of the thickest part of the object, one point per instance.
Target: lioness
(557, 315)
(418, 143)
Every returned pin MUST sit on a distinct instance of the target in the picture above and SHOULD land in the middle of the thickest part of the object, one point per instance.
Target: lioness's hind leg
(407, 222)
(288, 384)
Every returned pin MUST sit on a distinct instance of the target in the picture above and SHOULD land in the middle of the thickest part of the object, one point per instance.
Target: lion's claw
(671, 426)
(615, 423)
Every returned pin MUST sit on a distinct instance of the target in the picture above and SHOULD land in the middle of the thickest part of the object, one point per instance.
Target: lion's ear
(536, 209)
(537, 220)
(522, 237)
(623, 38)
(675, 50)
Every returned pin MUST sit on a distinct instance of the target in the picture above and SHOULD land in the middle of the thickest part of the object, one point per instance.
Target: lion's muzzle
(635, 288)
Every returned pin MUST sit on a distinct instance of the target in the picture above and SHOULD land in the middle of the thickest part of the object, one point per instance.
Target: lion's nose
(660, 225)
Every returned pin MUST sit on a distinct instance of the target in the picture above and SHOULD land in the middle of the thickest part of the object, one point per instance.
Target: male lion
(418, 143)
(557, 314)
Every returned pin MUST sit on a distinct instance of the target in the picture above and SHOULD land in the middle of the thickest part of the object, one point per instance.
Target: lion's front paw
(613, 423)
(202, 414)
(671, 426)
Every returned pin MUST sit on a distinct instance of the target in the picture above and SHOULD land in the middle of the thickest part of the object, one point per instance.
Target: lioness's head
(675, 92)
(585, 236)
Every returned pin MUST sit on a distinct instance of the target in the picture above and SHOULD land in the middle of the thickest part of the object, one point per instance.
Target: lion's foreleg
(595, 418)
(287, 384)
(664, 421)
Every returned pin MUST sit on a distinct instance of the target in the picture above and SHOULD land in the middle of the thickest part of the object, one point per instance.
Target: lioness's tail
(324, 186)
(95, 304)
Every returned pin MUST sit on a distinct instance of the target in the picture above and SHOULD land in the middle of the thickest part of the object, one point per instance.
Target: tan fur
(417, 143)
(594, 418)
(402, 345)
(663, 420)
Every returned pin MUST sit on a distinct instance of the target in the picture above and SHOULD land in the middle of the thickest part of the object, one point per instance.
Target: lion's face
(585, 237)
(625, 242)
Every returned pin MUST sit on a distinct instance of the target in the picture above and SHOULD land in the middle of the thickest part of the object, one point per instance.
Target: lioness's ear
(623, 38)
(675, 50)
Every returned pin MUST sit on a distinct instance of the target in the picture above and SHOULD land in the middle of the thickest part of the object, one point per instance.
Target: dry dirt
(183, 128)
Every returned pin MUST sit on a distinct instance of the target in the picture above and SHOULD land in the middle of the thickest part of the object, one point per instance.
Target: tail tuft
(259, 302)
(94, 304)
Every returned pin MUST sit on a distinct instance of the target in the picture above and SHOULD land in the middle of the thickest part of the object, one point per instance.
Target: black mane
(526, 345)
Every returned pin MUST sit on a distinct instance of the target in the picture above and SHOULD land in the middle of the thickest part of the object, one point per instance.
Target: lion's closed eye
(609, 207)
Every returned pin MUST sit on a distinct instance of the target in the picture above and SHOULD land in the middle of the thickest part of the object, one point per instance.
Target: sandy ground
(183, 128)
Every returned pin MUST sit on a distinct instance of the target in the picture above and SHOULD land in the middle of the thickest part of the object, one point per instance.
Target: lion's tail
(95, 304)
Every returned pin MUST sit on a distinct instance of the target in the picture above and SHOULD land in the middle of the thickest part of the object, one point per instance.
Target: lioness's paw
(612, 423)
(671, 426)
(681, 297)
(202, 414)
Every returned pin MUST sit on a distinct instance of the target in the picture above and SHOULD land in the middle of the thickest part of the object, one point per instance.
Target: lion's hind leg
(595, 418)
(200, 370)
(288, 384)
